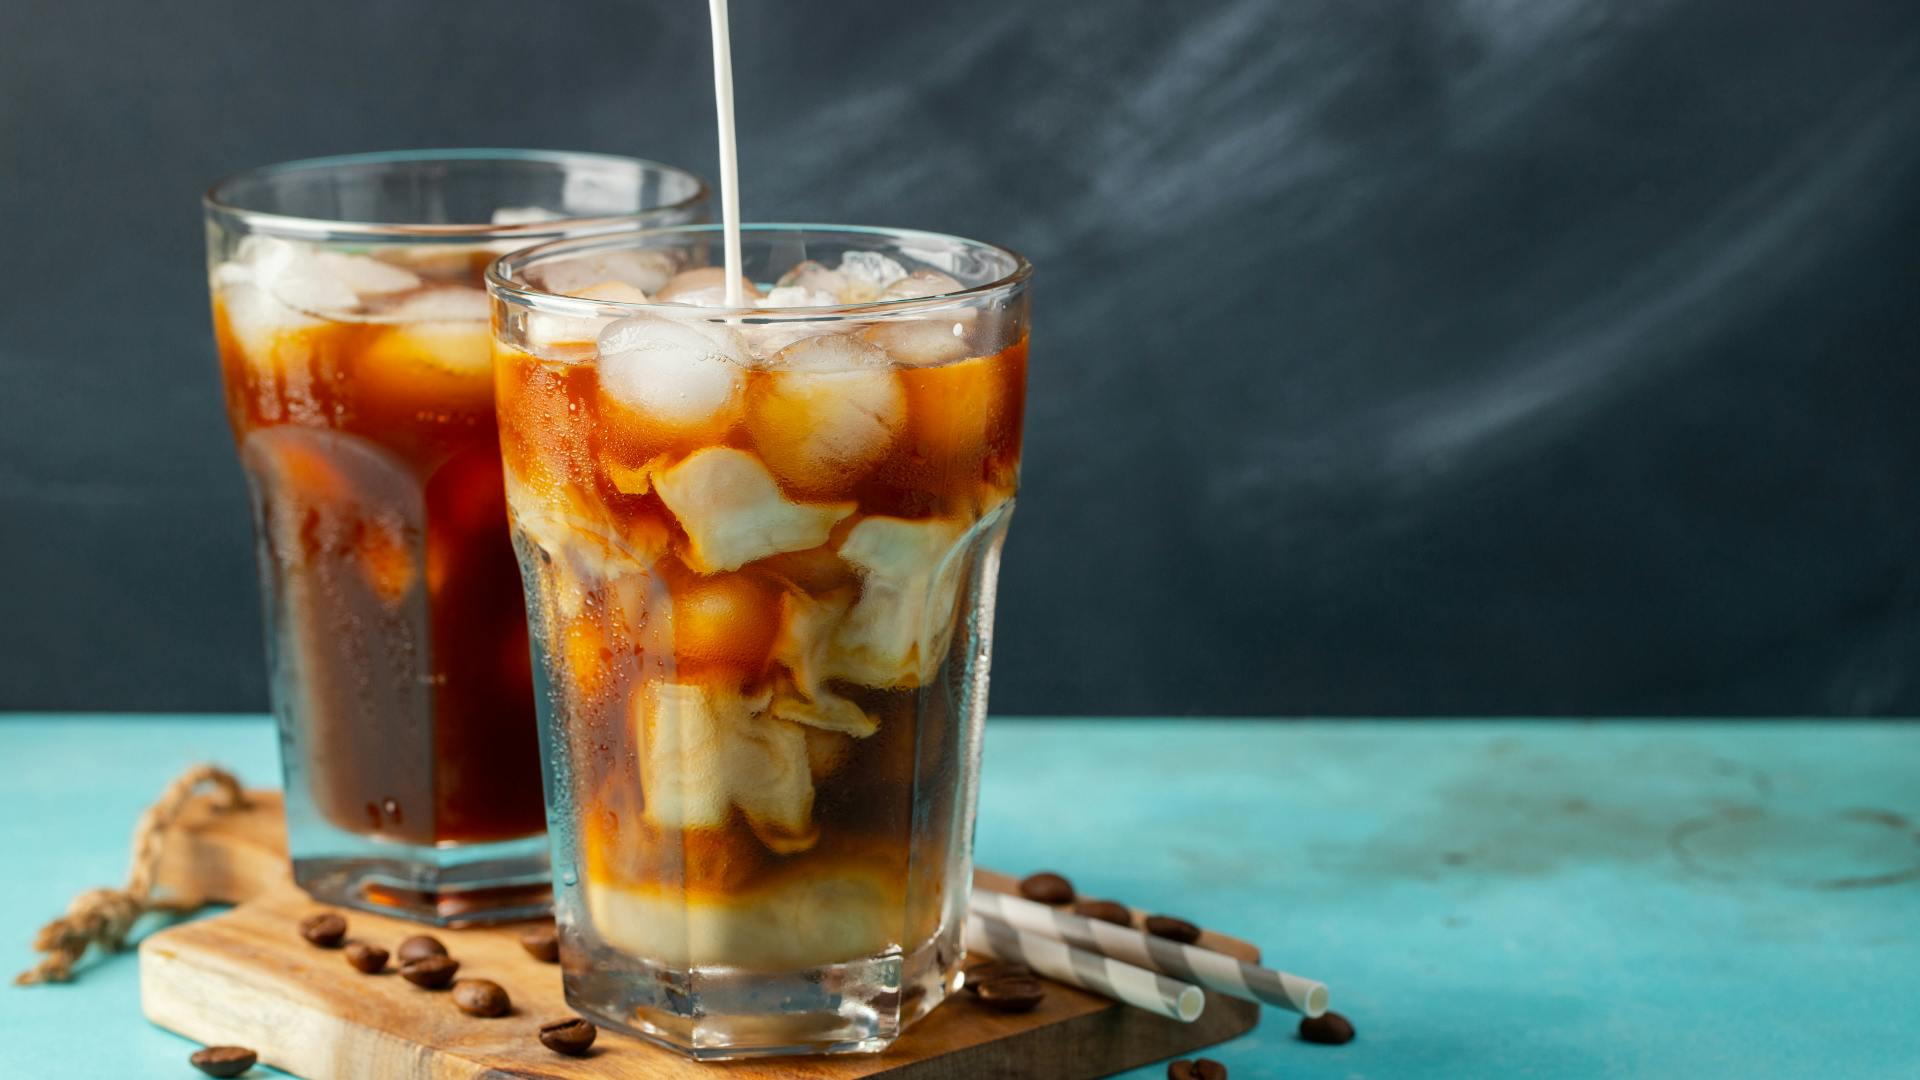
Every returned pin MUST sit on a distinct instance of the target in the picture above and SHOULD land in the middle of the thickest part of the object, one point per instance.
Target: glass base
(463, 885)
(719, 1013)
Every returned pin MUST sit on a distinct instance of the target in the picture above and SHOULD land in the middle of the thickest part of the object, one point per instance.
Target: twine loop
(105, 917)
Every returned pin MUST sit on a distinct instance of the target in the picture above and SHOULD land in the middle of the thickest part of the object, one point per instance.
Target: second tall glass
(353, 338)
(760, 547)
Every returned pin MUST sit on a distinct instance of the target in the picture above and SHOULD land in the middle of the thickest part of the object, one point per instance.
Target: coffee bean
(1047, 888)
(1203, 1069)
(366, 959)
(1172, 929)
(1105, 911)
(223, 1060)
(1012, 993)
(430, 972)
(325, 929)
(985, 971)
(419, 947)
(542, 943)
(570, 1036)
(1329, 1028)
(481, 997)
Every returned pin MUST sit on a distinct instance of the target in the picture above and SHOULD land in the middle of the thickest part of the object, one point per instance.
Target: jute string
(104, 917)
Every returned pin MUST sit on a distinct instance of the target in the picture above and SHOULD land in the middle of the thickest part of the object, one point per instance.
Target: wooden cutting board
(246, 977)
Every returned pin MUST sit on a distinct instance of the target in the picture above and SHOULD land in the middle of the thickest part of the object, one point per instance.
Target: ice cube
(368, 277)
(813, 277)
(786, 296)
(867, 274)
(684, 731)
(805, 638)
(827, 414)
(647, 270)
(254, 317)
(734, 513)
(444, 303)
(920, 342)
(549, 332)
(897, 634)
(768, 338)
(704, 286)
(462, 349)
(335, 493)
(679, 375)
(618, 291)
(725, 623)
(921, 283)
(773, 782)
(441, 330)
(317, 281)
(293, 275)
(830, 353)
(582, 543)
(707, 749)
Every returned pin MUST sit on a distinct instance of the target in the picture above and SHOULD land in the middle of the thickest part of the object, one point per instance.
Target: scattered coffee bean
(481, 997)
(1012, 993)
(366, 959)
(542, 943)
(224, 1060)
(1172, 929)
(985, 971)
(1105, 911)
(430, 972)
(1329, 1028)
(571, 1036)
(419, 947)
(1047, 888)
(325, 929)
(1203, 1069)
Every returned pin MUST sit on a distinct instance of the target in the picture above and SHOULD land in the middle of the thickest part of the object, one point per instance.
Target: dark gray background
(1445, 357)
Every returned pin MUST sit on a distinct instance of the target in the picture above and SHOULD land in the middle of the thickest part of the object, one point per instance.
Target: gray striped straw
(1215, 971)
(1089, 971)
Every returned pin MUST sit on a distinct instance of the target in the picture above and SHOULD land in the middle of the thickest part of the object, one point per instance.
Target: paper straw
(1089, 971)
(1215, 971)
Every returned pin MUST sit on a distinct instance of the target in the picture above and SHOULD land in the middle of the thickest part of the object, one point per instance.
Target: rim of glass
(503, 275)
(215, 200)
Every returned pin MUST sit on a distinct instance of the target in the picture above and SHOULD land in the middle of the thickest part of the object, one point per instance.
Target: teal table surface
(1484, 898)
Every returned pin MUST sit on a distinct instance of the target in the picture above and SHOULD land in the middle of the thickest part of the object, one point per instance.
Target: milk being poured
(729, 154)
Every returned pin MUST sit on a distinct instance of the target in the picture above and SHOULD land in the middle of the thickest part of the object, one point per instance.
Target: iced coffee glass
(760, 545)
(351, 321)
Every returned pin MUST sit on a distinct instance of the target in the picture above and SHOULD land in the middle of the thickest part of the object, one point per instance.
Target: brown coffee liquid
(882, 804)
(399, 631)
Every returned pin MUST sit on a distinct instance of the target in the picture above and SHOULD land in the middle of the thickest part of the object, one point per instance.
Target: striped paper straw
(1092, 972)
(1215, 971)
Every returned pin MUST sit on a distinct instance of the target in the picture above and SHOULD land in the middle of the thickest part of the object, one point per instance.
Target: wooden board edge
(228, 1009)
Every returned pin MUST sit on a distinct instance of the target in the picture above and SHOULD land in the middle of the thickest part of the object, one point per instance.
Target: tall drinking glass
(760, 547)
(352, 327)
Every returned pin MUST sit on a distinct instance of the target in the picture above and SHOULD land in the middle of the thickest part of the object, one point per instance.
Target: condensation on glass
(351, 321)
(760, 549)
